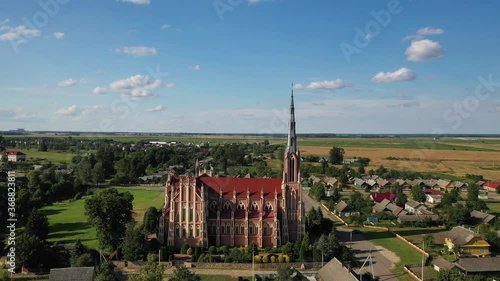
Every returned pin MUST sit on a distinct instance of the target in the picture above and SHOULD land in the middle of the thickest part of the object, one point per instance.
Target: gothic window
(228, 229)
(241, 206)
(236, 229)
(198, 231)
(264, 229)
(255, 206)
(213, 205)
(184, 231)
(222, 228)
(250, 228)
(227, 205)
(256, 229)
(191, 232)
(242, 229)
(268, 206)
(177, 231)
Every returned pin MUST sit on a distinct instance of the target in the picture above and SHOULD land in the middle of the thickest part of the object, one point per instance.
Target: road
(360, 247)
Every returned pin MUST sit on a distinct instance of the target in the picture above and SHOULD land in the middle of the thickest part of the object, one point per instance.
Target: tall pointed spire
(292, 138)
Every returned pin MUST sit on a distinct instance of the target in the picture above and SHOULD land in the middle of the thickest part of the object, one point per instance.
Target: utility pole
(423, 250)
(253, 264)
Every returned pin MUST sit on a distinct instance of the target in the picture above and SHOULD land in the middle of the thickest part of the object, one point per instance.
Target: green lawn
(68, 221)
(49, 156)
(385, 239)
(494, 207)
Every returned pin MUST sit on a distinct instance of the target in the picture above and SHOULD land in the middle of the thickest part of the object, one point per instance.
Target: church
(203, 210)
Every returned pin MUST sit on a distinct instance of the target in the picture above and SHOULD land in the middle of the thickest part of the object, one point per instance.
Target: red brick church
(203, 210)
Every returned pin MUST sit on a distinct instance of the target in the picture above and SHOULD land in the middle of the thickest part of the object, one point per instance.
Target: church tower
(293, 208)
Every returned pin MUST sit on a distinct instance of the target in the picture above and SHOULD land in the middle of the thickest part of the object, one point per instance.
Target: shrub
(190, 251)
(212, 250)
(281, 259)
(224, 249)
(273, 259)
(257, 259)
(171, 258)
(184, 248)
(287, 258)
(78, 196)
(265, 259)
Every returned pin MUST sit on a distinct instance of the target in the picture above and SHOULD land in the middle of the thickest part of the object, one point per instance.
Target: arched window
(256, 229)
(214, 206)
(264, 229)
(250, 228)
(222, 228)
(177, 231)
(184, 231)
(191, 231)
(198, 231)
(242, 229)
(268, 206)
(255, 206)
(241, 206)
(228, 228)
(191, 212)
(236, 229)
(227, 205)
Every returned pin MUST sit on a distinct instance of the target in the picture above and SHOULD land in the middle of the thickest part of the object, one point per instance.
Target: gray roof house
(489, 266)
(335, 271)
(72, 274)
(480, 217)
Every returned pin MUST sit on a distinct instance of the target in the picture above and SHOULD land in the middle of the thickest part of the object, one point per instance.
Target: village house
(411, 206)
(441, 264)
(491, 186)
(344, 211)
(433, 196)
(380, 196)
(334, 270)
(480, 217)
(489, 266)
(445, 185)
(13, 155)
(470, 243)
(359, 183)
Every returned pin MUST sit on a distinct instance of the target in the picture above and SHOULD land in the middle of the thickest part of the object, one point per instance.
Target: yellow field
(454, 162)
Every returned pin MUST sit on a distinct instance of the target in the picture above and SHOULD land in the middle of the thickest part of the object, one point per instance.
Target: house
(396, 210)
(407, 219)
(344, 211)
(13, 155)
(480, 217)
(491, 186)
(442, 264)
(359, 183)
(470, 243)
(380, 196)
(372, 183)
(72, 274)
(489, 266)
(445, 185)
(405, 184)
(480, 183)
(411, 206)
(314, 179)
(430, 183)
(462, 186)
(334, 270)
(383, 183)
(433, 196)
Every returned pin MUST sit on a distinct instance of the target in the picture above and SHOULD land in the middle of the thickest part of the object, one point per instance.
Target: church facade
(202, 210)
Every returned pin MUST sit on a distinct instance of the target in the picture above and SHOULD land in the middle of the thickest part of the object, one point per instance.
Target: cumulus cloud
(135, 87)
(329, 85)
(402, 74)
(194, 67)
(298, 86)
(424, 31)
(17, 34)
(71, 82)
(92, 109)
(423, 50)
(58, 35)
(165, 26)
(139, 51)
(138, 2)
(71, 110)
(157, 108)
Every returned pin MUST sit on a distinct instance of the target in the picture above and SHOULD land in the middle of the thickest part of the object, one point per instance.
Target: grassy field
(407, 254)
(68, 221)
(49, 156)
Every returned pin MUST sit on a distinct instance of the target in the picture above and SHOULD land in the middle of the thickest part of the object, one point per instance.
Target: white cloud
(71, 82)
(402, 74)
(328, 85)
(423, 50)
(135, 87)
(58, 35)
(92, 109)
(165, 26)
(424, 31)
(194, 67)
(157, 108)
(139, 51)
(19, 33)
(67, 110)
(138, 2)
(170, 85)
(298, 86)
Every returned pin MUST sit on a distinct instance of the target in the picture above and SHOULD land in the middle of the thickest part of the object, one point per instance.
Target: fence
(258, 266)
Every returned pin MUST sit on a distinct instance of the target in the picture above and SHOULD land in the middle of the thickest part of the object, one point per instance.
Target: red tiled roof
(491, 184)
(12, 152)
(378, 197)
(432, 192)
(254, 185)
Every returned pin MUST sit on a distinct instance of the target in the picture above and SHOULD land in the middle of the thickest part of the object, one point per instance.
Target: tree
(417, 193)
(152, 271)
(400, 199)
(133, 244)
(449, 275)
(429, 241)
(151, 220)
(361, 170)
(29, 250)
(317, 191)
(37, 225)
(109, 212)
(284, 274)
(98, 173)
(182, 273)
(106, 272)
(336, 155)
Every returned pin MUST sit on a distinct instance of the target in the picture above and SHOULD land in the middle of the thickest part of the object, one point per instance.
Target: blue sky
(225, 66)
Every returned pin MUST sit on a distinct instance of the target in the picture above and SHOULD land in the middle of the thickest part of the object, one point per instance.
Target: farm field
(68, 221)
(49, 156)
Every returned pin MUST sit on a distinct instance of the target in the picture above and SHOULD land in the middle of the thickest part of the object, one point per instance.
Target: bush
(281, 259)
(171, 258)
(273, 259)
(212, 250)
(287, 258)
(267, 249)
(257, 259)
(224, 249)
(265, 259)
(189, 251)
(184, 248)
(78, 196)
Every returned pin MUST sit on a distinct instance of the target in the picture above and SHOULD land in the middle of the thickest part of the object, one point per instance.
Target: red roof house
(380, 196)
(13, 155)
(491, 185)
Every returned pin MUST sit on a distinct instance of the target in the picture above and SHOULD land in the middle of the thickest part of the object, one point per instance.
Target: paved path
(360, 247)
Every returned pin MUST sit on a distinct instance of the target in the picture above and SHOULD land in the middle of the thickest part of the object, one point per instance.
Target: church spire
(292, 138)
